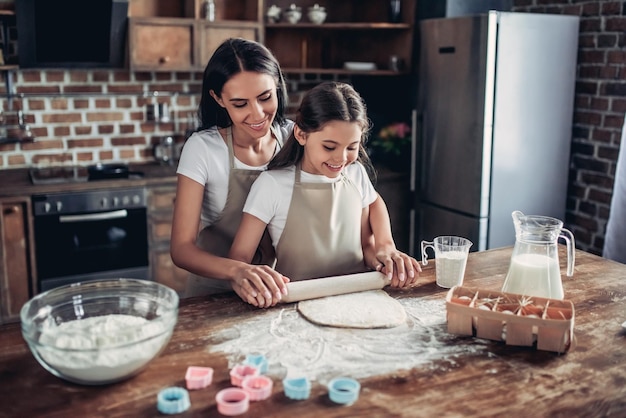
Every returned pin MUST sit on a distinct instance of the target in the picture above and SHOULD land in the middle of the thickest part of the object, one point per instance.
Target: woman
(242, 127)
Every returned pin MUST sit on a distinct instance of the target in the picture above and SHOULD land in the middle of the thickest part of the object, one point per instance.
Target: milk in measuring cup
(450, 267)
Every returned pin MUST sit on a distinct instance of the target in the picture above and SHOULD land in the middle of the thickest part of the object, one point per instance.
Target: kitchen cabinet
(17, 279)
(172, 35)
(168, 35)
(7, 58)
(160, 210)
(174, 50)
(355, 31)
(212, 34)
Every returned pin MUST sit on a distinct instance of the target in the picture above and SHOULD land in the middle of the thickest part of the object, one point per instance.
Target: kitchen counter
(17, 182)
(467, 377)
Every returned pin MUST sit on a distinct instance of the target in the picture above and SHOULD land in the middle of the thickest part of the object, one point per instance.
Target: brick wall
(85, 116)
(600, 106)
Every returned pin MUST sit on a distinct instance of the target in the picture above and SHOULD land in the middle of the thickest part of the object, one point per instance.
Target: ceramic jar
(293, 14)
(317, 14)
(273, 14)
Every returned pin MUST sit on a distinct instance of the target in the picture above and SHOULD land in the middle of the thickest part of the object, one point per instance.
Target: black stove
(80, 174)
(88, 235)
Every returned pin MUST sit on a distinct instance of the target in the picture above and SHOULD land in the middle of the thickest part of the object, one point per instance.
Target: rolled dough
(370, 309)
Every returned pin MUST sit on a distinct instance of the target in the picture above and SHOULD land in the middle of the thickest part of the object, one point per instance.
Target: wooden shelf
(340, 26)
(355, 30)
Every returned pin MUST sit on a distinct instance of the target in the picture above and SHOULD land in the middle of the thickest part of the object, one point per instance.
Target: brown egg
(531, 310)
(463, 300)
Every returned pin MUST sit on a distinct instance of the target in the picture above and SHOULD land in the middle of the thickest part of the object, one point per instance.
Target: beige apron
(218, 237)
(322, 235)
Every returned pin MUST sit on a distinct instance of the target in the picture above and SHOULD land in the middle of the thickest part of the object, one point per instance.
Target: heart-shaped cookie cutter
(240, 372)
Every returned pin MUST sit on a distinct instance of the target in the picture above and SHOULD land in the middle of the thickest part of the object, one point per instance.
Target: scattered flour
(95, 350)
(296, 347)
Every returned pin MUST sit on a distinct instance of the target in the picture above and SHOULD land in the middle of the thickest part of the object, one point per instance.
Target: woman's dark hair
(233, 56)
(324, 103)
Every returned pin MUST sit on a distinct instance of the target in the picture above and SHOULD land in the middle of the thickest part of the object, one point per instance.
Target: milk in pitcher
(534, 275)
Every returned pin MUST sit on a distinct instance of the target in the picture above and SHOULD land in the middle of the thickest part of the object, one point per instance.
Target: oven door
(79, 247)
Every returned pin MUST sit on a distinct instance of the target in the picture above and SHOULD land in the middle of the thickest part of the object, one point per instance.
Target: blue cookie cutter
(173, 400)
(343, 390)
(257, 360)
(298, 388)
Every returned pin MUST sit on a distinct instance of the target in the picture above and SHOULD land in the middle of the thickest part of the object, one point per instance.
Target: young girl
(316, 196)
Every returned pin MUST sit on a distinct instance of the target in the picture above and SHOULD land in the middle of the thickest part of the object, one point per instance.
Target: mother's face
(251, 102)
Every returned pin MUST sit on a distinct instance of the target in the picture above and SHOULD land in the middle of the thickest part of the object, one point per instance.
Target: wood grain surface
(503, 380)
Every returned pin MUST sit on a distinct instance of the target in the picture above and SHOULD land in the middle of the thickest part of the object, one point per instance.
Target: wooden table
(500, 381)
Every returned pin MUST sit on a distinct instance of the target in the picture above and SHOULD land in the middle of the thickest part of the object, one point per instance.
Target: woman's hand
(260, 285)
(402, 269)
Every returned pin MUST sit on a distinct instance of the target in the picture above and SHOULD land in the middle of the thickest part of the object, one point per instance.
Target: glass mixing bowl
(101, 331)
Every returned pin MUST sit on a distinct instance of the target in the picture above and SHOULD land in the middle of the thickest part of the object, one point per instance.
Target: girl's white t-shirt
(204, 159)
(270, 196)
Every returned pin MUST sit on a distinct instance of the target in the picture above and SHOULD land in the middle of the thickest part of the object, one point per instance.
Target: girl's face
(331, 149)
(251, 102)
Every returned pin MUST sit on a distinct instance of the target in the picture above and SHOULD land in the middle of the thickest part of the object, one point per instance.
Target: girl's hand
(402, 269)
(260, 285)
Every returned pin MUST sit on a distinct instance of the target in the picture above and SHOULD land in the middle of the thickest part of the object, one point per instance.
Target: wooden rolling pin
(334, 285)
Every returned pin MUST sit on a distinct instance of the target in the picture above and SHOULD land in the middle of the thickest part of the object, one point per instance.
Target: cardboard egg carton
(546, 324)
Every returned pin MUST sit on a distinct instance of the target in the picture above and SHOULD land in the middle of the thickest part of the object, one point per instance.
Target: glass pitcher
(534, 268)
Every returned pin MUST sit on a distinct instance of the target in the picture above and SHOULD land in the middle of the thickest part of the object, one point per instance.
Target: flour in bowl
(100, 349)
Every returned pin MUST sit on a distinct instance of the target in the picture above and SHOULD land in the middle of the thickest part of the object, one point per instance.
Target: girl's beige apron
(217, 238)
(322, 235)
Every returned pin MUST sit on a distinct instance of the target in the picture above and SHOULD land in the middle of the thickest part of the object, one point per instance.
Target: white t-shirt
(270, 196)
(204, 159)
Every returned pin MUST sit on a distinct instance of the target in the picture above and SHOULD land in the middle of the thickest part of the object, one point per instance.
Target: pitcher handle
(571, 247)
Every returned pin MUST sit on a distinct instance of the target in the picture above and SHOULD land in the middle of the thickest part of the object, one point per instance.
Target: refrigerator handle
(413, 173)
(417, 151)
(422, 153)
(413, 148)
(412, 232)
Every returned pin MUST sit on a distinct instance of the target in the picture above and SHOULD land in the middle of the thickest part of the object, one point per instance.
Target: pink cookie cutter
(240, 372)
(258, 387)
(198, 377)
(232, 401)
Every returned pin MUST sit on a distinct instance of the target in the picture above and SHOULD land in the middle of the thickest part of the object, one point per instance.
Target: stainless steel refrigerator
(493, 124)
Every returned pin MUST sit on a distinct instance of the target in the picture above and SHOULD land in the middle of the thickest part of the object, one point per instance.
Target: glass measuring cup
(450, 259)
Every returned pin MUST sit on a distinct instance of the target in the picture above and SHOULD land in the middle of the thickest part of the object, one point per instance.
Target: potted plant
(391, 146)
